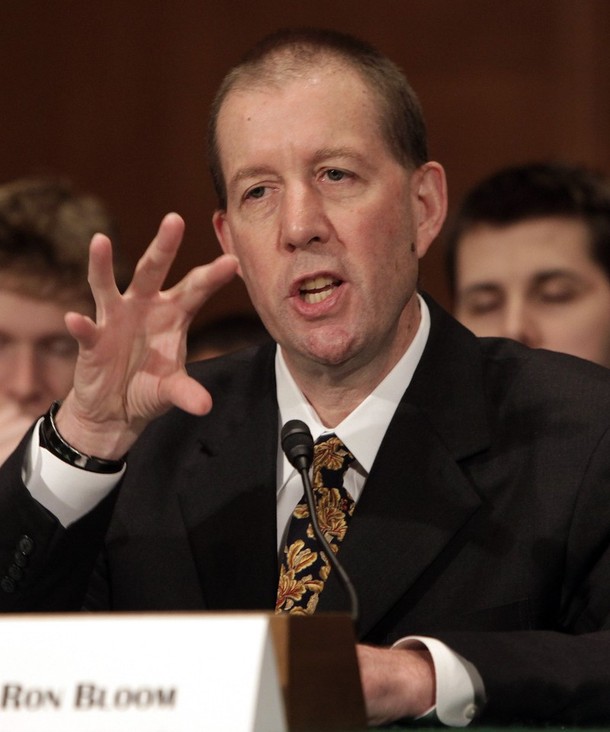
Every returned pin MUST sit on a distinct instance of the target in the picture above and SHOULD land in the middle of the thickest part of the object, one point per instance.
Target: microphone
(297, 444)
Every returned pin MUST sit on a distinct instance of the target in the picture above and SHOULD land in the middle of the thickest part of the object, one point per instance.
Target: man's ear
(429, 199)
(222, 229)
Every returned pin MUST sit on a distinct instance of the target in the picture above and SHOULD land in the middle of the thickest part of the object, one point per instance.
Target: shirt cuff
(460, 693)
(66, 491)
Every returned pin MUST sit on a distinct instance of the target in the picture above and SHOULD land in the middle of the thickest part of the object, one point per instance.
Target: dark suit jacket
(485, 521)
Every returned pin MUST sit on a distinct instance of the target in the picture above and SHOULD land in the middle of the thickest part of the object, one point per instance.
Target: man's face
(326, 224)
(535, 282)
(37, 355)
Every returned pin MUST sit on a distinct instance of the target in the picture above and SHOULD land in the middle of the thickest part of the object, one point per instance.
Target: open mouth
(318, 289)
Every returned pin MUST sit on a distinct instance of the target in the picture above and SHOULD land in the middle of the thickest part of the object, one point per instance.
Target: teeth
(313, 297)
(317, 289)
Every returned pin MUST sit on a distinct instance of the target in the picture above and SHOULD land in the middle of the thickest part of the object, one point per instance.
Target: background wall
(114, 94)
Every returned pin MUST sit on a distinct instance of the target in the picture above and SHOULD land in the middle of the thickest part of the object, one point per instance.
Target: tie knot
(330, 454)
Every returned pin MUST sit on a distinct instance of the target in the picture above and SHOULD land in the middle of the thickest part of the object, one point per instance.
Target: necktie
(304, 568)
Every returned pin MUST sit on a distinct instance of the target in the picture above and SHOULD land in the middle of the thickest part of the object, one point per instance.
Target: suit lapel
(417, 498)
(229, 497)
(414, 503)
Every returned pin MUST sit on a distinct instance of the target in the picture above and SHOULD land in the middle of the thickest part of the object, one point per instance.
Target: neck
(336, 390)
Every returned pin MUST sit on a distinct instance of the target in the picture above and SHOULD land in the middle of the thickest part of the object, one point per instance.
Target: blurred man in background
(45, 229)
(529, 258)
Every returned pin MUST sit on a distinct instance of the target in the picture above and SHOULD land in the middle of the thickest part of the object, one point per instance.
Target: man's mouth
(318, 289)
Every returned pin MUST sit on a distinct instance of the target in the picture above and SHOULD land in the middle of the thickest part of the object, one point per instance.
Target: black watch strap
(52, 441)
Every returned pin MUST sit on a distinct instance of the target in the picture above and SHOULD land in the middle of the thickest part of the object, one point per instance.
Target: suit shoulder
(512, 354)
(241, 384)
(244, 369)
(538, 374)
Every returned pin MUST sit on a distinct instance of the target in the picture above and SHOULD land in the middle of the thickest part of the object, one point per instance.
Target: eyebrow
(539, 278)
(337, 152)
(550, 274)
(252, 172)
(319, 156)
(478, 287)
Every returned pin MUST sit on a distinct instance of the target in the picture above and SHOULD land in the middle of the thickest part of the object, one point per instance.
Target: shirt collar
(361, 431)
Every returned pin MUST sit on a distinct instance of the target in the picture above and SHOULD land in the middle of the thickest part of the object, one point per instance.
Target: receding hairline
(284, 67)
(285, 64)
(288, 55)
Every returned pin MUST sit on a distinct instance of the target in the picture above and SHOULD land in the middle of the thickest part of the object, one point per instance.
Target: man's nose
(303, 217)
(22, 379)
(520, 324)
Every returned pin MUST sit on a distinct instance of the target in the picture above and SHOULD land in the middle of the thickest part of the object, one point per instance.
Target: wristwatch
(52, 441)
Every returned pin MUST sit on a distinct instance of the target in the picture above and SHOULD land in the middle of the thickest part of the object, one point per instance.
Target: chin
(330, 349)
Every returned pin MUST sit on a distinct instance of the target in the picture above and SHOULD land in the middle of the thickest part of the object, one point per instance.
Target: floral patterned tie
(304, 568)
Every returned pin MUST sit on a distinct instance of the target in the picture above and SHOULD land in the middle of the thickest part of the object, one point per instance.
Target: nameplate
(161, 672)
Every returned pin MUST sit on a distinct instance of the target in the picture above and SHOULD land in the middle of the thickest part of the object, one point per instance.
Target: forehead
(309, 108)
(284, 71)
(29, 317)
(46, 287)
(39, 301)
(524, 248)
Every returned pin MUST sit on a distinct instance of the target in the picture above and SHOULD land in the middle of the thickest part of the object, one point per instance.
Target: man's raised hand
(130, 367)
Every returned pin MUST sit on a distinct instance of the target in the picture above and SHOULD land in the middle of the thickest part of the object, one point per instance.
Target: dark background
(114, 94)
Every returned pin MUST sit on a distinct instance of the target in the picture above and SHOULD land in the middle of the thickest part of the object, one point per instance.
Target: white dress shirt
(69, 493)
(361, 431)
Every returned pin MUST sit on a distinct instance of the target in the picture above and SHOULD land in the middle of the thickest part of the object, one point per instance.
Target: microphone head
(297, 444)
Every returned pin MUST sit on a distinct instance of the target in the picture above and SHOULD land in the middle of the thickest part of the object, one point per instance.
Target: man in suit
(479, 545)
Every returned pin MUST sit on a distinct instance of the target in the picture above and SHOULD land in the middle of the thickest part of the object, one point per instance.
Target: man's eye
(558, 294)
(335, 175)
(482, 303)
(257, 192)
(482, 308)
(62, 347)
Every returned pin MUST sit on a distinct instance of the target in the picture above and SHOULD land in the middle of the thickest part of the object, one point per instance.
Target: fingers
(101, 274)
(152, 270)
(185, 393)
(154, 265)
(82, 328)
(202, 282)
(101, 279)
